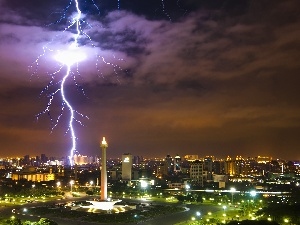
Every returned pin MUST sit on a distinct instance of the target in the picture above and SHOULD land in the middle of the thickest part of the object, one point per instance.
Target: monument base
(102, 205)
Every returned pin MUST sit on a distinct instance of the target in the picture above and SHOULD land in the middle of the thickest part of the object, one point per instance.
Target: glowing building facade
(126, 166)
(177, 164)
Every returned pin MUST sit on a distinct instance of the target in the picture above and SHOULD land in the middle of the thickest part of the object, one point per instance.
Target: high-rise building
(196, 172)
(137, 160)
(168, 165)
(26, 160)
(44, 158)
(208, 166)
(191, 157)
(126, 166)
(239, 166)
(263, 159)
(177, 164)
(218, 167)
(229, 166)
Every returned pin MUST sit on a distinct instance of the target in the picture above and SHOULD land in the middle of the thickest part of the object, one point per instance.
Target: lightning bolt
(164, 10)
(69, 60)
(66, 58)
(72, 55)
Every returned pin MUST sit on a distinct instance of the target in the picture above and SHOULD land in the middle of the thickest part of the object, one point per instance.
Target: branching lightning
(72, 55)
(164, 10)
(69, 56)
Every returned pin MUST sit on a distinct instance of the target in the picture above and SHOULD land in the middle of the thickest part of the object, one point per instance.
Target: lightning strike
(72, 55)
(69, 58)
(164, 10)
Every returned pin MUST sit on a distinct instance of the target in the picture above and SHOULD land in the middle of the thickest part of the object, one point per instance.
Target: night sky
(191, 77)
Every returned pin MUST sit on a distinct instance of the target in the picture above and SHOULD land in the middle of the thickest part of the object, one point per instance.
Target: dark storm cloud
(9, 39)
(220, 77)
(127, 41)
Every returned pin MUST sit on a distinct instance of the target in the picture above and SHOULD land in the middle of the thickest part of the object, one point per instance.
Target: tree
(189, 197)
(27, 222)
(199, 198)
(15, 221)
(181, 198)
(89, 192)
(45, 221)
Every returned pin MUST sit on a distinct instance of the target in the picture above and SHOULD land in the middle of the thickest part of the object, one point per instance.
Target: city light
(224, 207)
(232, 190)
(253, 193)
(71, 183)
(144, 184)
(186, 89)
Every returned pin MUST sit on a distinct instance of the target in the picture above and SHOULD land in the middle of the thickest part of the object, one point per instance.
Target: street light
(224, 207)
(187, 187)
(71, 183)
(253, 194)
(144, 185)
(232, 190)
(198, 214)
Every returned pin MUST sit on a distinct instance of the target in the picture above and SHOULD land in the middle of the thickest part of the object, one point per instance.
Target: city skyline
(187, 157)
(195, 77)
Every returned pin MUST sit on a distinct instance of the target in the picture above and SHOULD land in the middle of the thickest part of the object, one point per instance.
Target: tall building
(191, 157)
(263, 159)
(168, 165)
(126, 166)
(82, 160)
(137, 160)
(26, 160)
(44, 158)
(208, 166)
(251, 167)
(219, 167)
(177, 164)
(196, 172)
(229, 166)
(239, 166)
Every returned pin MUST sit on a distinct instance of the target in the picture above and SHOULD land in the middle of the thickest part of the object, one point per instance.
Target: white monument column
(103, 146)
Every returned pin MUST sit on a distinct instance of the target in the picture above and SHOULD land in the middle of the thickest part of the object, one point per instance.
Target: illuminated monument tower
(104, 203)
(103, 146)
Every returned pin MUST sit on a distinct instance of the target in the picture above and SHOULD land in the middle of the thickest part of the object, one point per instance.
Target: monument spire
(103, 146)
